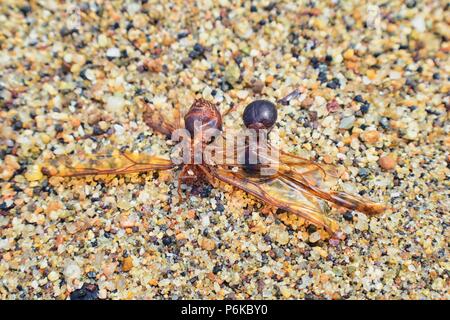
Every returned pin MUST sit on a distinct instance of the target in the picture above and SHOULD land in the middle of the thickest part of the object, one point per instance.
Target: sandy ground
(76, 76)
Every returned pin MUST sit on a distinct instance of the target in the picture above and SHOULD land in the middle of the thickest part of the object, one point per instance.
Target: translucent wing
(280, 192)
(319, 175)
(296, 185)
(318, 178)
(113, 162)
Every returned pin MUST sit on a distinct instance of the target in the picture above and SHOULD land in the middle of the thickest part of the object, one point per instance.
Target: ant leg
(182, 176)
(180, 180)
(154, 119)
(177, 115)
(208, 176)
(180, 195)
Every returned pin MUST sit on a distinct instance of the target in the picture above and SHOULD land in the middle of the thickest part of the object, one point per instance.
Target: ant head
(203, 115)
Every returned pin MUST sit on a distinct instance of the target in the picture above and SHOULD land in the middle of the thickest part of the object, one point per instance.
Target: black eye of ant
(260, 114)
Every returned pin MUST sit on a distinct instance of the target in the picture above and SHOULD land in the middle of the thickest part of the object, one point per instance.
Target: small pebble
(387, 162)
(258, 86)
(34, 173)
(127, 264)
(365, 108)
(72, 271)
(232, 73)
(207, 244)
(112, 53)
(363, 173)
(115, 104)
(53, 276)
(371, 136)
(348, 216)
(358, 98)
(384, 122)
(167, 240)
(332, 106)
(347, 122)
(86, 292)
(314, 237)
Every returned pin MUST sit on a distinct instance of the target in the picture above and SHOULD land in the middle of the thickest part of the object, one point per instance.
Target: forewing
(279, 192)
(114, 162)
(315, 179)
(320, 175)
(319, 178)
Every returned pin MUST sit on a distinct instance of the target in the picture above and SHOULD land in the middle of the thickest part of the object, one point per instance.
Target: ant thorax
(246, 148)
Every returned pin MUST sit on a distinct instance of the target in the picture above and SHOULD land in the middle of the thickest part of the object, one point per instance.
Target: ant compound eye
(260, 114)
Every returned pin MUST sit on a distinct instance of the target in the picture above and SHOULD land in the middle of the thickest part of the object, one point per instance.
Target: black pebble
(205, 191)
(167, 241)
(334, 84)
(436, 76)
(365, 108)
(25, 10)
(139, 92)
(5, 207)
(348, 216)
(182, 35)
(411, 4)
(129, 26)
(65, 32)
(97, 130)
(358, 98)
(59, 128)
(322, 77)
(199, 48)
(17, 125)
(311, 228)
(193, 280)
(363, 172)
(86, 292)
(83, 74)
(253, 8)
(225, 86)
(270, 6)
(314, 62)
(293, 39)
(220, 207)
(216, 269)
(193, 54)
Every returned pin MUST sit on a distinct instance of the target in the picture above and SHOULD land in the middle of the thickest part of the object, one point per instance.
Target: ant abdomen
(260, 114)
